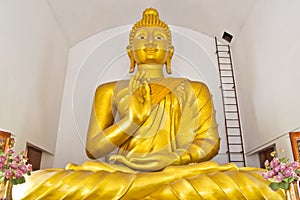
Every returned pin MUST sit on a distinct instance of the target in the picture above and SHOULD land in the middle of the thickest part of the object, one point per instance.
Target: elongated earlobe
(131, 58)
(168, 62)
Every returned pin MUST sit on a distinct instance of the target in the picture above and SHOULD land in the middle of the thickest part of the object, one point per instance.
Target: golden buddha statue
(164, 130)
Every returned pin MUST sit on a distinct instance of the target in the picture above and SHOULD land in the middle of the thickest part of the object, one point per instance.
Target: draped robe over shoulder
(182, 118)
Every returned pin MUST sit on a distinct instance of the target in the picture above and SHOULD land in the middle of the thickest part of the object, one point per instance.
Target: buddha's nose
(150, 43)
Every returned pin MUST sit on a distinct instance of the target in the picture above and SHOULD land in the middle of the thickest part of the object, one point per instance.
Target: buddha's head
(150, 41)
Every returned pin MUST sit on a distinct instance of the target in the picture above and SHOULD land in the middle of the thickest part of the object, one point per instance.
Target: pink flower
(274, 162)
(3, 159)
(13, 166)
(7, 173)
(23, 168)
(267, 163)
(18, 173)
(270, 174)
(10, 152)
(277, 168)
(17, 159)
(281, 171)
(29, 167)
(265, 174)
(1, 166)
(288, 172)
(279, 177)
(294, 164)
(283, 166)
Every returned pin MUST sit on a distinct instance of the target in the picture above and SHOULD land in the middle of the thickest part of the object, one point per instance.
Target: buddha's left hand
(150, 162)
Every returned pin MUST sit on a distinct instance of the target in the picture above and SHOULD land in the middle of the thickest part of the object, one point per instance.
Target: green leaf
(290, 179)
(17, 181)
(274, 186)
(2, 179)
(283, 185)
(285, 180)
(284, 159)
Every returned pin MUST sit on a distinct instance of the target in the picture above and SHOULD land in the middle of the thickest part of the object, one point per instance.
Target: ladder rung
(222, 45)
(237, 161)
(225, 63)
(229, 90)
(224, 57)
(227, 81)
(234, 144)
(233, 127)
(222, 51)
(227, 70)
(226, 76)
(231, 109)
(235, 152)
(230, 104)
(233, 135)
(229, 97)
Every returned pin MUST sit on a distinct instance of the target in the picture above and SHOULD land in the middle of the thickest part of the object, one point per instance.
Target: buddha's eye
(141, 37)
(159, 37)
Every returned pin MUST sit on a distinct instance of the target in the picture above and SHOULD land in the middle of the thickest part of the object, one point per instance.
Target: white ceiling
(80, 19)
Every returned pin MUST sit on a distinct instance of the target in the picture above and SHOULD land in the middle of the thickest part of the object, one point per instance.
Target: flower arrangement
(281, 172)
(13, 168)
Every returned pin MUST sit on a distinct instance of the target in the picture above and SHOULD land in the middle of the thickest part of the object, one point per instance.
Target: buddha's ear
(168, 62)
(131, 58)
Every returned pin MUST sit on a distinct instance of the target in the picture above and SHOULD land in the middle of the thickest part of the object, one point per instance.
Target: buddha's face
(150, 45)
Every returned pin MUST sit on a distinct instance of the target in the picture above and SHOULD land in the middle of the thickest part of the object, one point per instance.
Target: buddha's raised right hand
(140, 100)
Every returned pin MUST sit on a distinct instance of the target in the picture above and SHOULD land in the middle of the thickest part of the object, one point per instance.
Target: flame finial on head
(150, 18)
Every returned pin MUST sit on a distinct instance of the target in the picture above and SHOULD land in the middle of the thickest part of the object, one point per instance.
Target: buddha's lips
(150, 50)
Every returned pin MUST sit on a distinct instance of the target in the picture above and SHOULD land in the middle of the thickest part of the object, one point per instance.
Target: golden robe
(183, 121)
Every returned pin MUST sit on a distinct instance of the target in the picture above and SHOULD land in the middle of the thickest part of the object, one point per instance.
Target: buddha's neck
(152, 71)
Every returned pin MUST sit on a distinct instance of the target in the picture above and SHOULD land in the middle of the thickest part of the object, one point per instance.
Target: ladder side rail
(238, 110)
(233, 153)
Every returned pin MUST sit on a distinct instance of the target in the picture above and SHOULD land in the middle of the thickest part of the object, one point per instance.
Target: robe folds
(206, 180)
(182, 120)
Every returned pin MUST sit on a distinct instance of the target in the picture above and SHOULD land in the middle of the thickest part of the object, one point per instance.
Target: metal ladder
(234, 138)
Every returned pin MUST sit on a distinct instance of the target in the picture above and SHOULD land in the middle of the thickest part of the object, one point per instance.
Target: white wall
(103, 58)
(33, 58)
(266, 57)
